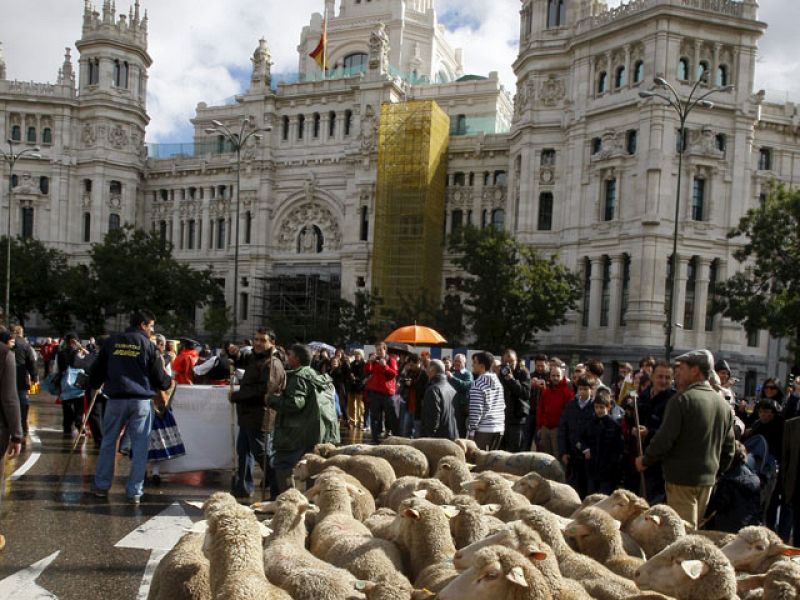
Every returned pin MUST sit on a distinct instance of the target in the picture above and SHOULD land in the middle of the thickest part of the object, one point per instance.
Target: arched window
(331, 124)
(47, 136)
(683, 69)
(285, 128)
(27, 222)
(301, 126)
(31, 138)
(44, 185)
(722, 76)
(461, 125)
(94, 71)
(605, 296)
(115, 187)
(602, 82)
(610, 199)
(317, 121)
(626, 284)
(87, 227)
(498, 218)
(620, 80)
(556, 13)
(500, 178)
(702, 70)
(691, 285)
(355, 63)
(113, 222)
(248, 226)
(587, 289)
(16, 133)
(548, 158)
(456, 220)
(120, 74)
(638, 71)
(348, 121)
(631, 141)
(545, 211)
(698, 199)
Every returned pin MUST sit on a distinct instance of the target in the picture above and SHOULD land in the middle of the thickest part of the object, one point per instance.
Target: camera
(505, 370)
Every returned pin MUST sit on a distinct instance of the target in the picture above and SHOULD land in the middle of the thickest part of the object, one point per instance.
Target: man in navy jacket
(130, 371)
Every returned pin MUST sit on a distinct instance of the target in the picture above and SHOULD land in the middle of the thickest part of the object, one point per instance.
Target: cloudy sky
(201, 49)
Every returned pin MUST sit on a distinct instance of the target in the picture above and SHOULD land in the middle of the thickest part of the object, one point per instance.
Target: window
(248, 226)
(610, 199)
(631, 141)
(602, 83)
(487, 178)
(721, 142)
(753, 339)
(285, 129)
(348, 121)
(556, 13)
(331, 124)
(691, 286)
(47, 136)
(364, 229)
(548, 157)
(638, 71)
(27, 222)
(483, 218)
(190, 234)
(317, 121)
(683, 69)
(94, 71)
(620, 79)
(16, 133)
(471, 179)
(220, 234)
(14, 181)
(301, 126)
(162, 231)
(244, 305)
(605, 297)
(765, 159)
(545, 211)
(500, 178)
(587, 290)
(460, 125)
(456, 221)
(115, 187)
(668, 285)
(498, 218)
(713, 274)
(722, 76)
(44, 185)
(597, 145)
(87, 227)
(31, 137)
(702, 71)
(355, 63)
(626, 285)
(698, 199)
(680, 140)
(120, 74)
(459, 179)
(113, 222)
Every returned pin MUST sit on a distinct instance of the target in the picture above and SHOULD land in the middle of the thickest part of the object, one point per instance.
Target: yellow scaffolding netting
(410, 201)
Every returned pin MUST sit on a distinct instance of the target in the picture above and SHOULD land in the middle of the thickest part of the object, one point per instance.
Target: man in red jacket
(552, 401)
(381, 369)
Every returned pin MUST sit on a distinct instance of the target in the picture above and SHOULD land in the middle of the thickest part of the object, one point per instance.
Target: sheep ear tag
(534, 554)
(694, 569)
(517, 577)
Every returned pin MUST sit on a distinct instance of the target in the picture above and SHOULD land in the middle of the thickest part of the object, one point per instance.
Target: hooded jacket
(263, 376)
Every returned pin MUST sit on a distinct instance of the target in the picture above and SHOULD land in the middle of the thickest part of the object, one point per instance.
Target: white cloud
(199, 48)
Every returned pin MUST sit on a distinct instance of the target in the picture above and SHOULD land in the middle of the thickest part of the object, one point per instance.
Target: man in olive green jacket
(695, 440)
(305, 414)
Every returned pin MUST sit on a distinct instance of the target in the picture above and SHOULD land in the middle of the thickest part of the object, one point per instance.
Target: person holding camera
(539, 379)
(516, 383)
(381, 369)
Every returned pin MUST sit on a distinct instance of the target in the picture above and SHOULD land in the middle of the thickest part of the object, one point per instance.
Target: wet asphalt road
(60, 525)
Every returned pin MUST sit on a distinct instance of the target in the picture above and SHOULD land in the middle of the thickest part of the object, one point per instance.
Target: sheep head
(302, 470)
(754, 547)
(623, 505)
(483, 484)
(534, 487)
(782, 581)
(470, 449)
(324, 450)
(691, 568)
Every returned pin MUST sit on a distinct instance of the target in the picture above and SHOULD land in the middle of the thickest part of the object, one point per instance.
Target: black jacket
(264, 376)
(573, 425)
(438, 413)
(129, 367)
(25, 360)
(651, 414)
(603, 437)
(736, 500)
(357, 376)
(517, 395)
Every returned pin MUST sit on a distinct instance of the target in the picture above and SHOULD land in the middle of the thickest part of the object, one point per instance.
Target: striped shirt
(487, 407)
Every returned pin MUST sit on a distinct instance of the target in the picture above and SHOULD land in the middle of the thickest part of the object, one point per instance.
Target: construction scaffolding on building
(410, 201)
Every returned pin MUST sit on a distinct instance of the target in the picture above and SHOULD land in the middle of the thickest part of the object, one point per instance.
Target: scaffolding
(408, 244)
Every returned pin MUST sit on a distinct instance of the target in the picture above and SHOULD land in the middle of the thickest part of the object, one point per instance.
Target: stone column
(595, 292)
(703, 265)
(615, 305)
(628, 74)
(695, 61)
(679, 300)
(713, 77)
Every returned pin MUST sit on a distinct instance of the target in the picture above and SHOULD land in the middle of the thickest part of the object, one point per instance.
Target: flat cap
(698, 358)
(722, 365)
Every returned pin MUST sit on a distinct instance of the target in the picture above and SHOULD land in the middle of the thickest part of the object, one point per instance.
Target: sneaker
(135, 500)
(98, 493)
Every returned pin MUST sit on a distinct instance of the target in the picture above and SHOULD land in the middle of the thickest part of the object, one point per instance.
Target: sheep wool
(657, 528)
(453, 472)
(471, 522)
(559, 498)
(755, 549)
(491, 488)
(183, 573)
(434, 449)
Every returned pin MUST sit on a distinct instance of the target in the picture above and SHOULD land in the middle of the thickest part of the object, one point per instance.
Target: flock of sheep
(425, 518)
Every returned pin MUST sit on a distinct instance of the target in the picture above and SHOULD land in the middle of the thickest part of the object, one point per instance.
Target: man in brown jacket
(263, 377)
(10, 423)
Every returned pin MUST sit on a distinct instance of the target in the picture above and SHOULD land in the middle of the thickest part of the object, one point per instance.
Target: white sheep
(657, 528)
(556, 497)
(236, 557)
(375, 474)
(434, 449)
(404, 488)
(780, 582)
(405, 460)
(453, 473)
(691, 568)
(519, 463)
(491, 488)
(625, 507)
(755, 549)
(470, 521)
(183, 573)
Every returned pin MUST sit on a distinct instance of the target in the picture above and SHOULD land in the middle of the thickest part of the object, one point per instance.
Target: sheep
(327, 450)
(625, 506)
(589, 500)
(405, 460)
(363, 504)
(183, 573)
(382, 523)
(471, 522)
(388, 591)
(491, 488)
(423, 536)
(691, 568)
(236, 557)
(519, 463)
(657, 528)
(719, 538)
(500, 574)
(434, 449)
(404, 488)
(597, 535)
(780, 582)
(335, 498)
(453, 472)
(375, 474)
(559, 498)
(755, 549)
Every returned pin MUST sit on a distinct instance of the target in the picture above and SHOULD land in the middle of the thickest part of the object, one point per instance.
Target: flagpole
(324, 41)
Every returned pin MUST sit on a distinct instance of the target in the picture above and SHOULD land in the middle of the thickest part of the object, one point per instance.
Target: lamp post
(683, 108)
(237, 140)
(11, 158)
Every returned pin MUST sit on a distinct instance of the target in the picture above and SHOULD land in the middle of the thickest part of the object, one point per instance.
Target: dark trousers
(253, 446)
(529, 431)
(576, 475)
(601, 486)
(283, 464)
(95, 420)
(461, 408)
(488, 441)
(72, 414)
(380, 405)
(513, 437)
(23, 409)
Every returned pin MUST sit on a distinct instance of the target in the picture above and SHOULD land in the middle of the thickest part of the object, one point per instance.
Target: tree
(358, 321)
(511, 292)
(217, 322)
(445, 317)
(766, 294)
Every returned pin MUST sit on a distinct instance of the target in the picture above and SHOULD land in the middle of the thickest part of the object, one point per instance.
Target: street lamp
(11, 158)
(237, 140)
(683, 109)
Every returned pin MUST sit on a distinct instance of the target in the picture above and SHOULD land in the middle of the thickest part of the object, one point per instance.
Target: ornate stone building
(578, 164)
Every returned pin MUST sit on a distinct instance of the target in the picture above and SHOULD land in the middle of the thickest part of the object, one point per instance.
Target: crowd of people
(674, 433)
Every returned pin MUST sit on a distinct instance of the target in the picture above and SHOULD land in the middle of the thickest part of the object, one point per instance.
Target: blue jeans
(138, 416)
(406, 420)
(252, 446)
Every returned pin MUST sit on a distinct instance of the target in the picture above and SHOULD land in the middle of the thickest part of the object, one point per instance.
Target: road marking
(161, 532)
(147, 579)
(28, 464)
(22, 584)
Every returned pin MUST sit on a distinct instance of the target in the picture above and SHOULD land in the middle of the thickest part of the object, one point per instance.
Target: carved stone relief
(117, 137)
(552, 91)
(297, 231)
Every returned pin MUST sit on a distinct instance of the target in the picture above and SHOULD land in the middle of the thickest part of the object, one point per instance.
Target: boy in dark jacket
(736, 501)
(603, 447)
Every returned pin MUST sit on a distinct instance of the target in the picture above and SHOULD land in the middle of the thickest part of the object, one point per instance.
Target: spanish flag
(320, 53)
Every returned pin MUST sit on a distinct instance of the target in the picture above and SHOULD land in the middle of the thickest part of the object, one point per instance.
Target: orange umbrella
(416, 334)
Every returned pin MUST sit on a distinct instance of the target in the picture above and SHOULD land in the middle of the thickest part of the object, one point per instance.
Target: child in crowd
(603, 446)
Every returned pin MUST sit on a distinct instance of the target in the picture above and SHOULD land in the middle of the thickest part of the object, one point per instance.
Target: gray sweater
(10, 422)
